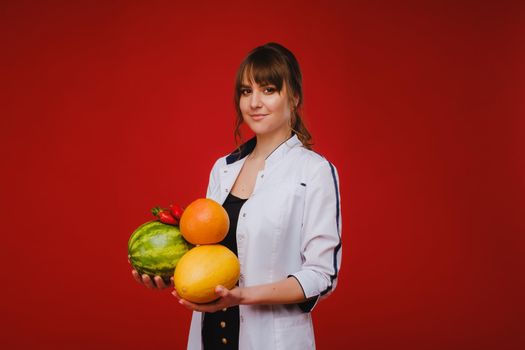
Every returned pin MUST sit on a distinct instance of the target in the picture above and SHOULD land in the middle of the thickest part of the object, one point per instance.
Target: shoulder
(312, 160)
(219, 163)
(316, 170)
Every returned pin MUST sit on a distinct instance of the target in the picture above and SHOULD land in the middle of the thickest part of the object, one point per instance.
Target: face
(264, 109)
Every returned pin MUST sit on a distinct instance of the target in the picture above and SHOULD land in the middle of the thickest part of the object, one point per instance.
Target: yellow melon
(202, 268)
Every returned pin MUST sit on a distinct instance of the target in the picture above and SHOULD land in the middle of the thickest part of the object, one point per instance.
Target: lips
(258, 116)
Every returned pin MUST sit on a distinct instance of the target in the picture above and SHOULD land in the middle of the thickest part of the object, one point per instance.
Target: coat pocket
(294, 332)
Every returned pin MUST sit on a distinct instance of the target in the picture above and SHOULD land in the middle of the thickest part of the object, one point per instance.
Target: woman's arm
(321, 235)
(287, 291)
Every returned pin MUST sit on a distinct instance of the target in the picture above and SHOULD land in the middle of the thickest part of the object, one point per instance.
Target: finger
(210, 307)
(175, 294)
(172, 283)
(148, 282)
(136, 276)
(191, 306)
(159, 282)
(183, 302)
(222, 291)
(188, 304)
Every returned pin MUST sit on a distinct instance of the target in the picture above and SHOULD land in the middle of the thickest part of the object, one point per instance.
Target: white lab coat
(290, 226)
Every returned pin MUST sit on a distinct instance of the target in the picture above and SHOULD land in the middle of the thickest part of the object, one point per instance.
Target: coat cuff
(309, 281)
(308, 305)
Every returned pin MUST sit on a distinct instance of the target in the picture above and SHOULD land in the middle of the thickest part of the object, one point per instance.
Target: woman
(283, 202)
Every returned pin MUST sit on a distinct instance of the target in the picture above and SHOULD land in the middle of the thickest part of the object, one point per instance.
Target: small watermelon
(155, 249)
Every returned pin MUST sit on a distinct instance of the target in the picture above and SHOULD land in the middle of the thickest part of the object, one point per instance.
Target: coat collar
(247, 147)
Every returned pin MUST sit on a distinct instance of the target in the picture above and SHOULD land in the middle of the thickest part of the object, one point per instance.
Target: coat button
(225, 309)
(242, 318)
(224, 341)
(223, 324)
(243, 215)
(226, 190)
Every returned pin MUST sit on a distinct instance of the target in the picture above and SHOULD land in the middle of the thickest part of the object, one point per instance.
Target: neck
(267, 143)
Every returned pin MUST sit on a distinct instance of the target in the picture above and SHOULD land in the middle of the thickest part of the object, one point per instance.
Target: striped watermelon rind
(155, 248)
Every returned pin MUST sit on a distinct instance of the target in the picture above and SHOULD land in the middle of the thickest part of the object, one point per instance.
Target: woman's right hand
(155, 283)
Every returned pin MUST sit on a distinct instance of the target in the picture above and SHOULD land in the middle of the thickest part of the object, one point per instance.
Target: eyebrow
(249, 87)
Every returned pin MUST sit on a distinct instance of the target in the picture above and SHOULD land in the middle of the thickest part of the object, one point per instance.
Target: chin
(257, 128)
(258, 132)
(260, 129)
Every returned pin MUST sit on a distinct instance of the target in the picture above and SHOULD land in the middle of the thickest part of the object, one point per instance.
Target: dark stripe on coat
(338, 246)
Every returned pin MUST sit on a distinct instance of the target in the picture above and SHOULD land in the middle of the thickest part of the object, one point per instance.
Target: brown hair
(273, 64)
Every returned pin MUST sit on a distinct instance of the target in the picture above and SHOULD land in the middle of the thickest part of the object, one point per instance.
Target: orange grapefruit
(204, 221)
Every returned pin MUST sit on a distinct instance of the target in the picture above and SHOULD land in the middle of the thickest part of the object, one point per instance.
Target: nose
(255, 99)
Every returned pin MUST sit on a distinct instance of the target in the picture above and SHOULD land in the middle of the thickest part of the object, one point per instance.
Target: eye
(245, 91)
(270, 89)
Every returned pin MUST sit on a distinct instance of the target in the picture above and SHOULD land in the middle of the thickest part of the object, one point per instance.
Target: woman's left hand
(227, 298)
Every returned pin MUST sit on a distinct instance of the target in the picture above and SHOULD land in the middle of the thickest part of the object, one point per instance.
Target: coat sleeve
(320, 236)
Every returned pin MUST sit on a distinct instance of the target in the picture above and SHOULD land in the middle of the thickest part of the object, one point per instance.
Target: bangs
(263, 68)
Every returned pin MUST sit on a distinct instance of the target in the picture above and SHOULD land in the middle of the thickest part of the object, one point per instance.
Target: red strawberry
(164, 216)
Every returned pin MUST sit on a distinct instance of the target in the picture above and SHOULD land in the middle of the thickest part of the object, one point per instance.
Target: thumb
(220, 290)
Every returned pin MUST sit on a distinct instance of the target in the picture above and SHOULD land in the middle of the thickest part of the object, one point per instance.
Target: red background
(110, 108)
